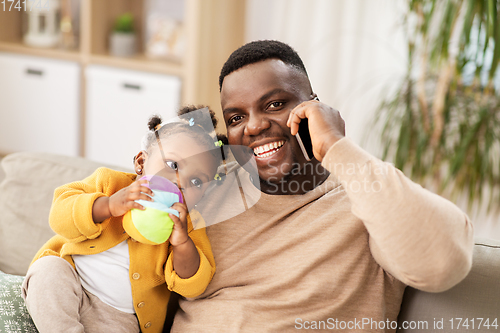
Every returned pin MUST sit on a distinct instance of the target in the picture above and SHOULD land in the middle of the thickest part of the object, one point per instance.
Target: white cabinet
(119, 104)
(39, 105)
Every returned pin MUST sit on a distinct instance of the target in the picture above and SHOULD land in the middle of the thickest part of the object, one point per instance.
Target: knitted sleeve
(71, 212)
(420, 238)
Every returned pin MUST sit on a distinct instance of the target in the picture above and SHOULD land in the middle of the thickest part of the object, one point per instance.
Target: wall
(355, 53)
(353, 50)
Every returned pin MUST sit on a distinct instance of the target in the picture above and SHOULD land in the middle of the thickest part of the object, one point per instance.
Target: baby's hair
(199, 127)
(154, 121)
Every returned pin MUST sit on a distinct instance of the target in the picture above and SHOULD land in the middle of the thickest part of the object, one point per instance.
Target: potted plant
(442, 125)
(122, 40)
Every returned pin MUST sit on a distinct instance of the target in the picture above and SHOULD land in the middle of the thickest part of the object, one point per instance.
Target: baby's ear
(139, 161)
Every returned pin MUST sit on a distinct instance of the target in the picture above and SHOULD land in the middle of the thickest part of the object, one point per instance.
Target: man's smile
(268, 149)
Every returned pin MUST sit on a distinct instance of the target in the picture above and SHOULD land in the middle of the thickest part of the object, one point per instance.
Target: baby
(92, 276)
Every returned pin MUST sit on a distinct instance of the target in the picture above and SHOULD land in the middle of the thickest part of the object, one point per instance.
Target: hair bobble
(219, 178)
(219, 143)
(191, 122)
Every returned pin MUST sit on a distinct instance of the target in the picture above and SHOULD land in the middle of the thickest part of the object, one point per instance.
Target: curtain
(354, 50)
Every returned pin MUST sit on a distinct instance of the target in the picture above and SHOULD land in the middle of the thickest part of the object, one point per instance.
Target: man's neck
(301, 181)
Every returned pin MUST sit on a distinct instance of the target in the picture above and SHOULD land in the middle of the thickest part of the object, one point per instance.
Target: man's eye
(172, 165)
(233, 119)
(196, 182)
(275, 105)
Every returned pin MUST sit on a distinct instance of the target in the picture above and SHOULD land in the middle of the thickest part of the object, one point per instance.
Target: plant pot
(122, 44)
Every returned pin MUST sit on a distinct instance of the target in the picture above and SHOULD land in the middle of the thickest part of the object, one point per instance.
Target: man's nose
(256, 124)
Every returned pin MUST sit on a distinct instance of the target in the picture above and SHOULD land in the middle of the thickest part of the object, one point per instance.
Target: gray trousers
(57, 302)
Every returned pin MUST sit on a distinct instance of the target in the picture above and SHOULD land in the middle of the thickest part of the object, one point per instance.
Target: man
(331, 243)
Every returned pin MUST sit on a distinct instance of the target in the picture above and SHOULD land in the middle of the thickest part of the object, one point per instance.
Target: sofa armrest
(477, 296)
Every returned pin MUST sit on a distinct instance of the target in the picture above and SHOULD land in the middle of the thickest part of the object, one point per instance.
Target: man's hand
(326, 126)
(122, 201)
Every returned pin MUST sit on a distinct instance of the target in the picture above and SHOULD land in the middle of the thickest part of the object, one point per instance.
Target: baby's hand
(124, 200)
(179, 234)
(186, 259)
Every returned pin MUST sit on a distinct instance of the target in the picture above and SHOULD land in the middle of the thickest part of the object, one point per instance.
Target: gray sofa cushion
(477, 296)
(25, 197)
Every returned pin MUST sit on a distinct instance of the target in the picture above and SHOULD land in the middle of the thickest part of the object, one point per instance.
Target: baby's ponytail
(154, 121)
(200, 125)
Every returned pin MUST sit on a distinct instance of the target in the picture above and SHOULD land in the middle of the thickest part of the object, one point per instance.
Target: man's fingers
(293, 123)
(297, 114)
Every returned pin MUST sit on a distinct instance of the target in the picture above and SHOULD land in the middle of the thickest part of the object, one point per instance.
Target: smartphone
(304, 139)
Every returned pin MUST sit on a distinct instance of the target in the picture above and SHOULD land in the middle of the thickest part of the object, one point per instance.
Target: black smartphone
(304, 139)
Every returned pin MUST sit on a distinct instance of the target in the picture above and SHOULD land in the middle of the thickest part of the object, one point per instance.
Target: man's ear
(139, 161)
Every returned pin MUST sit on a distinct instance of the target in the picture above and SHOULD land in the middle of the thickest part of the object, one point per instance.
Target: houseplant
(123, 38)
(442, 125)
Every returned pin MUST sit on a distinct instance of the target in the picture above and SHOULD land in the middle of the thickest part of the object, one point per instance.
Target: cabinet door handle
(31, 71)
(132, 86)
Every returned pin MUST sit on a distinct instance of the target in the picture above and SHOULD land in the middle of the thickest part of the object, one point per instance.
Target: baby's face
(187, 161)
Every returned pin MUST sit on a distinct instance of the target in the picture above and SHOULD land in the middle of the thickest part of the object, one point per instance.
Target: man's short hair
(259, 51)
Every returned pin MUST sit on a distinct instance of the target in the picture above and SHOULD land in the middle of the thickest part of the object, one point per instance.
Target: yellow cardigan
(151, 266)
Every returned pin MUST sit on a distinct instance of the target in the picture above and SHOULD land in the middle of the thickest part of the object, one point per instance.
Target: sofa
(27, 181)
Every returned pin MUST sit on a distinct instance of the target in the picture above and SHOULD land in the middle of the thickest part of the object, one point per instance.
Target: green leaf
(124, 23)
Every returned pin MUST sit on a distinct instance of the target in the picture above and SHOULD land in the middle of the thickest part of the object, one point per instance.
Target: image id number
(25, 5)
(473, 323)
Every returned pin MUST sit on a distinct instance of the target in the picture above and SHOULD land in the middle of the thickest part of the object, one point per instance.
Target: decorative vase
(43, 25)
(122, 44)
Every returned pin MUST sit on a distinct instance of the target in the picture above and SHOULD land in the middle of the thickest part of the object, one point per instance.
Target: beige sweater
(334, 259)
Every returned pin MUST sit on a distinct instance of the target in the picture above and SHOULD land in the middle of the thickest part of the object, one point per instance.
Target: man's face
(256, 101)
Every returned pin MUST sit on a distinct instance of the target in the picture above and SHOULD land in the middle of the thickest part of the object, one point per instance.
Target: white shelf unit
(39, 105)
(119, 104)
(213, 29)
